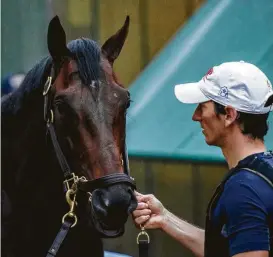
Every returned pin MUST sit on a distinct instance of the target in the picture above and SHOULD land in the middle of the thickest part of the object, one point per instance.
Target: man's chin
(210, 142)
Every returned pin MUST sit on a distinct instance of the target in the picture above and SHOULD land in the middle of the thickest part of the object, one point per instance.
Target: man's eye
(128, 104)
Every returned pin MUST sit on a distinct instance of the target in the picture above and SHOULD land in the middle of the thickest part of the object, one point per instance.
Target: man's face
(212, 125)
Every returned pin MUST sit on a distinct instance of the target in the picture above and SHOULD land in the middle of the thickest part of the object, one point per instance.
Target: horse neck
(22, 117)
(25, 148)
(31, 175)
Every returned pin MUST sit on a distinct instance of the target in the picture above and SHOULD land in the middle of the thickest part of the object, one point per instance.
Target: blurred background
(169, 42)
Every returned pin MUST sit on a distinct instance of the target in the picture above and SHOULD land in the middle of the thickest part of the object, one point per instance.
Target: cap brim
(190, 93)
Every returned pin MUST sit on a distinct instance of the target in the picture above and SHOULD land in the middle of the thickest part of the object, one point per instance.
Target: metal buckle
(73, 181)
(47, 85)
(51, 119)
(67, 182)
(143, 233)
(70, 215)
(90, 197)
(72, 204)
(72, 191)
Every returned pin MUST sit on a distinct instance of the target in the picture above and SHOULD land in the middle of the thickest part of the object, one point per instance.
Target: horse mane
(87, 53)
(14, 102)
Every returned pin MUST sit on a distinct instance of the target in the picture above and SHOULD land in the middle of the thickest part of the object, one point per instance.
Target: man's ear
(231, 115)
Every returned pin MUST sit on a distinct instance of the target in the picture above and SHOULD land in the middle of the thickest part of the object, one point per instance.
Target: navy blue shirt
(246, 206)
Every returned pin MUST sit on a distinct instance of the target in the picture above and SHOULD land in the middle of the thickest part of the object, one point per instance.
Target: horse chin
(106, 230)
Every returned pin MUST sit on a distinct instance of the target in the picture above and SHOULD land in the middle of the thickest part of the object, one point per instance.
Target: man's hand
(149, 212)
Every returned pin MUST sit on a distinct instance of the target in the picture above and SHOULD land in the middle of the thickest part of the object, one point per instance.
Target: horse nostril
(100, 202)
(103, 198)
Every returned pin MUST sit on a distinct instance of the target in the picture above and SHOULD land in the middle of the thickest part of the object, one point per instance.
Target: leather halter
(71, 181)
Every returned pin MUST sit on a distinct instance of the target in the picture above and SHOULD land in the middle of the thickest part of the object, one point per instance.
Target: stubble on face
(212, 124)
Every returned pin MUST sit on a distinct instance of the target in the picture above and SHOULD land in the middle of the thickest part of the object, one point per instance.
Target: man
(234, 100)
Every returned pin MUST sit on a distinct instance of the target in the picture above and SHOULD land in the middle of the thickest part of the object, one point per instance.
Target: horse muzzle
(111, 201)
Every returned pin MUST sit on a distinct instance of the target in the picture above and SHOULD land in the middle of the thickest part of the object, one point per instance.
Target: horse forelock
(88, 57)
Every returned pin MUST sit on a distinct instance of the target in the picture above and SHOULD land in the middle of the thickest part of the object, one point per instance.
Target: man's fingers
(142, 219)
(141, 197)
(144, 198)
(138, 213)
(138, 194)
(141, 206)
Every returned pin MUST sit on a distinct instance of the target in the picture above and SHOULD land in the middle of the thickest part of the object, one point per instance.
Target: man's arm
(152, 214)
(190, 236)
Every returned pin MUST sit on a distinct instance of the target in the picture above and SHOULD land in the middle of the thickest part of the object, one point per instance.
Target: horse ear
(113, 45)
(56, 40)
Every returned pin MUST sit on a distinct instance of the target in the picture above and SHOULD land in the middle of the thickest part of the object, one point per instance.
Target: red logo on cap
(210, 71)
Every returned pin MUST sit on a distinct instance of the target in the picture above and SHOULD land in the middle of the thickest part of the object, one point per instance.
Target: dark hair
(253, 125)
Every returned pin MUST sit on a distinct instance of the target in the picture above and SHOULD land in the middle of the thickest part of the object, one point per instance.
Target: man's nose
(196, 115)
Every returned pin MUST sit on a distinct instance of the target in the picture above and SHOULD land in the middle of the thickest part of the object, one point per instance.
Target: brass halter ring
(143, 233)
(51, 119)
(90, 197)
(47, 85)
(70, 215)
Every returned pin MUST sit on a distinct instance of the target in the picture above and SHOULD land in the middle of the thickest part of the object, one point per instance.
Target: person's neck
(239, 147)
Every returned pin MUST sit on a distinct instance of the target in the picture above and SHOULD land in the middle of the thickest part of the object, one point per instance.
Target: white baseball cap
(238, 84)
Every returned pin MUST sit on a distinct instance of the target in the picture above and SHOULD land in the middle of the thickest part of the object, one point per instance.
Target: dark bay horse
(66, 123)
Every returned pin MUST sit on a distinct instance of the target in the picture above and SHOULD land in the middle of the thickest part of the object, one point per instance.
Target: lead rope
(143, 241)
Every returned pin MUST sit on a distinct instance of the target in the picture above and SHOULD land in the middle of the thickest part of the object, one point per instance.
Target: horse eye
(73, 76)
(67, 115)
(63, 108)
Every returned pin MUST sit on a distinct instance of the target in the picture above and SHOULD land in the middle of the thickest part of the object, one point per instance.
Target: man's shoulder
(266, 158)
(246, 186)
(254, 170)
(248, 178)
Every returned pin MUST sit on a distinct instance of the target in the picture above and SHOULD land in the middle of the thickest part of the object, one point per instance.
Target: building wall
(23, 35)
(153, 23)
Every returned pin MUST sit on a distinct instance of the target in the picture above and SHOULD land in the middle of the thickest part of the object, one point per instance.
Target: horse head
(85, 110)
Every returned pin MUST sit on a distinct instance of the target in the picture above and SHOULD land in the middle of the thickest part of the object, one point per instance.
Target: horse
(64, 159)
